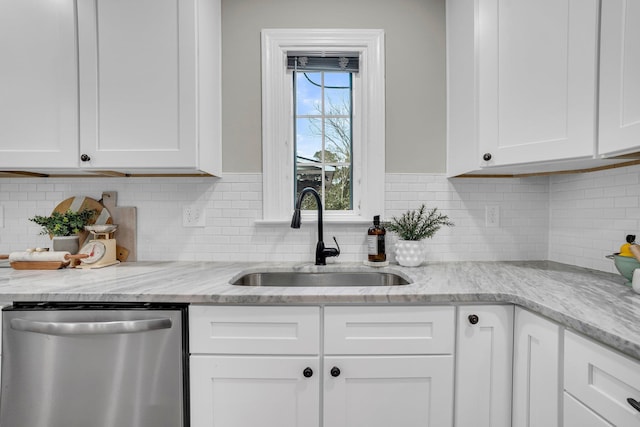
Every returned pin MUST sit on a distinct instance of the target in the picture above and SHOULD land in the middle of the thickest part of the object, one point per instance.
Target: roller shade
(343, 61)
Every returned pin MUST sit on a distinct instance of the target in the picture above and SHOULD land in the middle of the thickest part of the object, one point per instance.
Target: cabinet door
(38, 84)
(619, 121)
(406, 391)
(537, 67)
(235, 391)
(536, 371)
(137, 62)
(483, 366)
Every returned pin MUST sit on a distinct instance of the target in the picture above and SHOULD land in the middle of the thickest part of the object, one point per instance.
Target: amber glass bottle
(375, 241)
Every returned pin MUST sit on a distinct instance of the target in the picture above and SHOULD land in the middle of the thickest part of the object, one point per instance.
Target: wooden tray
(38, 265)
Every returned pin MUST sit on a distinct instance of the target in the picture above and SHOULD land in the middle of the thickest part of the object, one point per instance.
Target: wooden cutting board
(78, 203)
(125, 217)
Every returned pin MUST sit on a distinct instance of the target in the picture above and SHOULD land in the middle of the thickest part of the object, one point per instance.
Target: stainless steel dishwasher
(94, 365)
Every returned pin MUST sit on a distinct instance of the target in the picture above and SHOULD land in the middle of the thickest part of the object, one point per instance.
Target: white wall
(235, 201)
(415, 74)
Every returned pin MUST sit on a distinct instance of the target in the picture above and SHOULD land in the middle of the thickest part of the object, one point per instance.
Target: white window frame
(368, 120)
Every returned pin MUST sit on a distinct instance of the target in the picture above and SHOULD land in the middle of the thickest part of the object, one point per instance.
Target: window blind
(343, 61)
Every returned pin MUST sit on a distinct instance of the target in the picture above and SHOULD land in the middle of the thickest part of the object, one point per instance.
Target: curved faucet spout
(321, 252)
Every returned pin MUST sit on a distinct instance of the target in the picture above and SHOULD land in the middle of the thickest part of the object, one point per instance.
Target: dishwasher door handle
(90, 328)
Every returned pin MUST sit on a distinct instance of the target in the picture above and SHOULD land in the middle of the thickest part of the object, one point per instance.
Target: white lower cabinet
(388, 366)
(241, 391)
(381, 366)
(254, 366)
(407, 391)
(483, 366)
(601, 385)
(536, 371)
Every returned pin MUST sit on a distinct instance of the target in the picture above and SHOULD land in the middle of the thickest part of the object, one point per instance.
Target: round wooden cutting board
(78, 203)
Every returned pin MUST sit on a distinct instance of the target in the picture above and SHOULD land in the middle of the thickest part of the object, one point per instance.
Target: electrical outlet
(193, 216)
(492, 216)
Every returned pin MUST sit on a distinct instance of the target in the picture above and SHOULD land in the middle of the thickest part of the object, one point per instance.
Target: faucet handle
(333, 251)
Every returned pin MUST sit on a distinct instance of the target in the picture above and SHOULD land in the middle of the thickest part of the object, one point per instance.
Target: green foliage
(64, 224)
(418, 224)
(337, 153)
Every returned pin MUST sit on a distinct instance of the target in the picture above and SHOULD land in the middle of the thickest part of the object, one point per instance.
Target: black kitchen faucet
(321, 252)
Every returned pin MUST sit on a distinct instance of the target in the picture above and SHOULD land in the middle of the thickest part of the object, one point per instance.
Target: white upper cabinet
(139, 82)
(619, 130)
(521, 82)
(141, 95)
(38, 84)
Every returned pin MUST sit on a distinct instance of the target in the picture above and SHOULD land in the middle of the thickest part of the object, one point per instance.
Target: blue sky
(309, 97)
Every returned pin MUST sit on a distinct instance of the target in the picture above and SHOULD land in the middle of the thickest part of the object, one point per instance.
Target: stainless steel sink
(351, 278)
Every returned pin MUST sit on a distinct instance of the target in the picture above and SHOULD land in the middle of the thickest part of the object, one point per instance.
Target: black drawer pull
(634, 403)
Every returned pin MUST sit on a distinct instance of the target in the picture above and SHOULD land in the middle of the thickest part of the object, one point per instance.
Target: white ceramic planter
(67, 244)
(410, 253)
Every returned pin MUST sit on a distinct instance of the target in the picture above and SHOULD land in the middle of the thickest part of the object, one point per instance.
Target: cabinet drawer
(602, 379)
(576, 414)
(389, 330)
(254, 330)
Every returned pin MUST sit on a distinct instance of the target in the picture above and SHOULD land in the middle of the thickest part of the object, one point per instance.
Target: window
(322, 134)
(323, 127)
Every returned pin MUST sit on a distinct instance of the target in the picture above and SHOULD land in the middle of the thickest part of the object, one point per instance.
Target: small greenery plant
(68, 223)
(418, 224)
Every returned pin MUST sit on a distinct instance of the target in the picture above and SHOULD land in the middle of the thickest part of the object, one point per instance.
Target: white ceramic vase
(69, 244)
(410, 253)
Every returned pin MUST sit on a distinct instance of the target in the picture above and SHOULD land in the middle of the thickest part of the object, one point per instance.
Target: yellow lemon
(624, 250)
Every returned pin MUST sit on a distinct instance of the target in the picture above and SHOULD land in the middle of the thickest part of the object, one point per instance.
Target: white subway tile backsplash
(590, 215)
(576, 219)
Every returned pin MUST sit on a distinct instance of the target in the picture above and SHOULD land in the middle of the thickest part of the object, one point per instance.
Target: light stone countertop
(594, 303)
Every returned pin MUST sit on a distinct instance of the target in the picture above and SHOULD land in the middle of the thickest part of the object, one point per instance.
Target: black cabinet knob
(634, 403)
(85, 158)
(473, 319)
(486, 157)
(335, 372)
(308, 372)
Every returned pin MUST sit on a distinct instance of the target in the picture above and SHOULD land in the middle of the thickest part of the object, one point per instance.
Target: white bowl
(107, 228)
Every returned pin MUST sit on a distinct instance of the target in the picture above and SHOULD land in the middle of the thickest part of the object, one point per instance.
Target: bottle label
(372, 245)
(375, 244)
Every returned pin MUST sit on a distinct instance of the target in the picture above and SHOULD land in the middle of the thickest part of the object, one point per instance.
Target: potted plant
(412, 228)
(63, 228)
